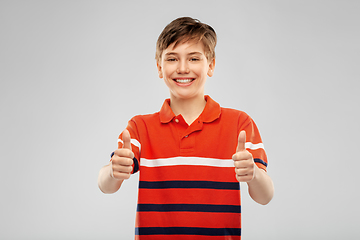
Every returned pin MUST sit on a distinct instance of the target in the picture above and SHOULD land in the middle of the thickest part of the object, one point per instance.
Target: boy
(193, 153)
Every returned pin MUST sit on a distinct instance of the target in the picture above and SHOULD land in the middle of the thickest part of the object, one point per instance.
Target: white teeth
(183, 80)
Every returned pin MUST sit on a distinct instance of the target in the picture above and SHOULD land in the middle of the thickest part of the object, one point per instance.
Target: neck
(190, 108)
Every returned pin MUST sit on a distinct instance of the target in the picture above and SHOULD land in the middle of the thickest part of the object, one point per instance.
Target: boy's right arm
(112, 175)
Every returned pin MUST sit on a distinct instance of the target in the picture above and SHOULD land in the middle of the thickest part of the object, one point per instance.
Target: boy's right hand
(122, 160)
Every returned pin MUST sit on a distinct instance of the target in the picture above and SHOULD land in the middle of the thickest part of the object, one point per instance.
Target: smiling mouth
(184, 80)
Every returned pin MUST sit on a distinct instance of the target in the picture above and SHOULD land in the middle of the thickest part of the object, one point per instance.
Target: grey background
(74, 72)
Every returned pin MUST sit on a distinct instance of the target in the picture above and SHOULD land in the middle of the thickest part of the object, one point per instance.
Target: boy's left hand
(243, 160)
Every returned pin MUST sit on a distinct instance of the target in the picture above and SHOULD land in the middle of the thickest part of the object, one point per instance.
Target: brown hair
(185, 29)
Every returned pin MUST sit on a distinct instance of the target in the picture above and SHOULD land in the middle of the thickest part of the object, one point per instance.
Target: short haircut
(185, 29)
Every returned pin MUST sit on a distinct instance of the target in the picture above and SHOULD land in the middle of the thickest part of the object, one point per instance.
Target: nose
(183, 67)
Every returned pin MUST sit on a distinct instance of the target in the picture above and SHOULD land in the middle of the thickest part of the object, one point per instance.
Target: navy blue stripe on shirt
(258, 160)
(136, 165)
(189, 184)
(188, 231)
(188, 208)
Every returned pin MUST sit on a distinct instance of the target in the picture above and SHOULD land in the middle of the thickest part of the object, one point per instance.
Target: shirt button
(176, 120)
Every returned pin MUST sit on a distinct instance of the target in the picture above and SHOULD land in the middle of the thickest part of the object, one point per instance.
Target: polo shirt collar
(210, 113)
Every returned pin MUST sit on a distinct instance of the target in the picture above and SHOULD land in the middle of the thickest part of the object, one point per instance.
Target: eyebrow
(174, 53)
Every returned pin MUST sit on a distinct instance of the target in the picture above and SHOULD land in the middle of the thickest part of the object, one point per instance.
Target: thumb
(126, 139)
(241, 141)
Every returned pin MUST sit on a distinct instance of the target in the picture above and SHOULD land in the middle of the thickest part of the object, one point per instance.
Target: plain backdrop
(74, 72)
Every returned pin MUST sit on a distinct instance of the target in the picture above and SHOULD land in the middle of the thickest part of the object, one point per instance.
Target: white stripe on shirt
(252, 146)
(194, 161)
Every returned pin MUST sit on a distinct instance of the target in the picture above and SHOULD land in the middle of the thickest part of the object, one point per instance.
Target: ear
(211, 68)
(159, 69)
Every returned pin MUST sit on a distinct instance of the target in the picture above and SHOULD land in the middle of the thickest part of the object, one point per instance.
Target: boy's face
(185, 69)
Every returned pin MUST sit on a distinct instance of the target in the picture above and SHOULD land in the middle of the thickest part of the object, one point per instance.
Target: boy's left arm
(261, 188)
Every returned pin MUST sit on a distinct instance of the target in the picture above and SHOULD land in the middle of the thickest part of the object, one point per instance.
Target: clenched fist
(243, 160)
(122, 160)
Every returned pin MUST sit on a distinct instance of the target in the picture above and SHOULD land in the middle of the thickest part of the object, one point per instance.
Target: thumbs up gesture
(243, 160)
(122, 160)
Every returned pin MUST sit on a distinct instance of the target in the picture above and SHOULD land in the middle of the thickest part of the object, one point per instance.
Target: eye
(171, 59)
(194, 59)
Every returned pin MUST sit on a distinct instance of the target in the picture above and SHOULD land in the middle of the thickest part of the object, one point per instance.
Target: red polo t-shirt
(187, 184)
